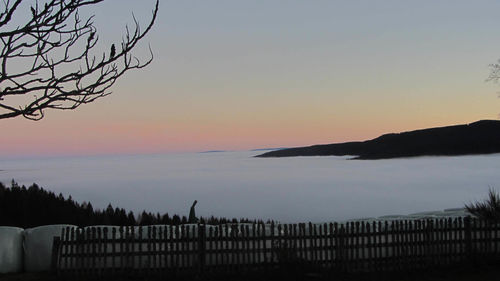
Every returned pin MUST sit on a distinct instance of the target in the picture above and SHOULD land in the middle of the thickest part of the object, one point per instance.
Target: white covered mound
(108, 229)
(11, 249)
(38, 246)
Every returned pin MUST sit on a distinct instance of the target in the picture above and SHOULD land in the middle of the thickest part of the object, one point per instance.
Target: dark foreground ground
(464, 273)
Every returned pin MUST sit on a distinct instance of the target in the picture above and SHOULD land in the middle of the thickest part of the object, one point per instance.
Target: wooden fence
(347, 247)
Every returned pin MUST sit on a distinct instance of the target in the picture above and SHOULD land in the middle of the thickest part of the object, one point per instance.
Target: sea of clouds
(235, 184)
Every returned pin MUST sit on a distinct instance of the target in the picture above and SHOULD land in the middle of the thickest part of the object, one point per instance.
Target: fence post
(432, 240)
(339, 243)
(468, 238)
(201, 248)
(55, 251)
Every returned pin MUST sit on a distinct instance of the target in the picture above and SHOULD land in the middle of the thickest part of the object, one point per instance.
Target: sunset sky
(234, 75)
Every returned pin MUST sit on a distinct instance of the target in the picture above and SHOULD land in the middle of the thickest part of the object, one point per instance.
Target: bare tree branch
(55, 47)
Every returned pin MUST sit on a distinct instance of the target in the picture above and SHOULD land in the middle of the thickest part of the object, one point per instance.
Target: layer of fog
(234, 184)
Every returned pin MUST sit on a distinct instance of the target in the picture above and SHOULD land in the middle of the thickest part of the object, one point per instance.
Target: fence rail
(348, 247)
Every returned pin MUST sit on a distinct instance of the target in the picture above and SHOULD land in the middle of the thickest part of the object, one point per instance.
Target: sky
(237, 75)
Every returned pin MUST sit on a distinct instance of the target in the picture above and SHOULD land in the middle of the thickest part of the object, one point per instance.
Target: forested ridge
(32, 206)
(481, 137)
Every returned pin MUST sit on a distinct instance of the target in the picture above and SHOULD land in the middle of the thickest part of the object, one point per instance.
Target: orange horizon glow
(150, 138)
(220, 80)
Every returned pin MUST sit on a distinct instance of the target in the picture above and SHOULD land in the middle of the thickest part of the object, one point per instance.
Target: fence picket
(100, 251)
(350, 247)
(64, 261)
(165, 244)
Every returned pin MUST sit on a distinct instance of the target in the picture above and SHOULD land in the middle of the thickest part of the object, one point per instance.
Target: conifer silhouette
(35, 206)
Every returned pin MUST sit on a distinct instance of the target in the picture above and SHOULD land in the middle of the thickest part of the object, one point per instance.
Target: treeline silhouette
(35, 206)
(481, 137)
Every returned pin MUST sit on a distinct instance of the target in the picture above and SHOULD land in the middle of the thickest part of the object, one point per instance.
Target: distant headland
(481, 137)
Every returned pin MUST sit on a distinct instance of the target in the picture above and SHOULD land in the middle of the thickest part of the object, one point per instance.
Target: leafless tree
(494, 72)
(49, 61)
(495, 75)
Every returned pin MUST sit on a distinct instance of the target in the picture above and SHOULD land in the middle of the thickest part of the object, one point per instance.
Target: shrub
(488, 209)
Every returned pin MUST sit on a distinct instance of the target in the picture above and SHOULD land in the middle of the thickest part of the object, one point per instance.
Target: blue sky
(249, 74)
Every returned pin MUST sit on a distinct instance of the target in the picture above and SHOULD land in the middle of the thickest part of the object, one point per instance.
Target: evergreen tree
(34, 206)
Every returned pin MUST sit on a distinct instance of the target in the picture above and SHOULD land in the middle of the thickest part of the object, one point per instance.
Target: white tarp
(109, 229)
(38, 246)
(11, 249)
(154, 228)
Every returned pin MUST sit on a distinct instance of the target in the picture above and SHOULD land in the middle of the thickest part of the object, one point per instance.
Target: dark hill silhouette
(481, 137)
